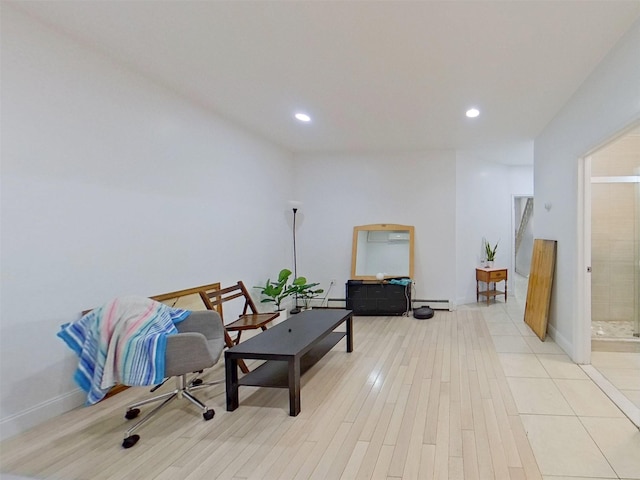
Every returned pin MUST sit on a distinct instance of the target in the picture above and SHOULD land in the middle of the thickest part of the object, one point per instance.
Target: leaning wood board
(543, 262)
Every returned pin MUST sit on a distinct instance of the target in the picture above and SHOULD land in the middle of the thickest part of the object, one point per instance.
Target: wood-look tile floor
(416, 399)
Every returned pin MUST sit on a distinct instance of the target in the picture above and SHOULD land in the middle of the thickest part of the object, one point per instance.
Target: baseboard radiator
(416, 303)
(434, 304)
(337, 303)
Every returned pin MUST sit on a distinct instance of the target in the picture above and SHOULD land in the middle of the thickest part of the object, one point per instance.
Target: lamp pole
(295, 309)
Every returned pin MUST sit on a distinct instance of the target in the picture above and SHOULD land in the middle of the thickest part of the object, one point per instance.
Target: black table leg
(350, 333)
(231, 373)
(294, 386)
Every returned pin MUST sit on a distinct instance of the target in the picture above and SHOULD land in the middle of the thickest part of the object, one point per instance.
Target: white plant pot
(284, 314)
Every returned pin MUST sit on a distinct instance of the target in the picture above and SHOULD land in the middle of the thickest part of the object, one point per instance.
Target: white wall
(113, 185)
(606, 103)
(342, 191)
(484, 202)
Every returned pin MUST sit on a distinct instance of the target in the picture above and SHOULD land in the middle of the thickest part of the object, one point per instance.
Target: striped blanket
(124, 341)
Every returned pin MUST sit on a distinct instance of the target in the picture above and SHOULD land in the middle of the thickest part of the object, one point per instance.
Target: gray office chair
(197, 345)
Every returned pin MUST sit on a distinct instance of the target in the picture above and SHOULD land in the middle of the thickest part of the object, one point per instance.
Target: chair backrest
(214, 298)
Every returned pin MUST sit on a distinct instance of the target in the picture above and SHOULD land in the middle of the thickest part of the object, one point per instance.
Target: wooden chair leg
(243, 366)
(229, 342)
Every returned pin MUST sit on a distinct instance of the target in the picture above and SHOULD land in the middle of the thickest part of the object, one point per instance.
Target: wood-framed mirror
(382, 248)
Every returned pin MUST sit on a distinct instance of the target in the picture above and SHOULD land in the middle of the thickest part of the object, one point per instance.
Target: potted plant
(306, 291)
(276, 292)
(490, 252)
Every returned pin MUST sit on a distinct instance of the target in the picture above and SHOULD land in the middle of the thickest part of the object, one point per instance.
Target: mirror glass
(382, 248)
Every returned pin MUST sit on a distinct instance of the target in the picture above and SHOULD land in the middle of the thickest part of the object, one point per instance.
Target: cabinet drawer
(357, 291)
(497, 275)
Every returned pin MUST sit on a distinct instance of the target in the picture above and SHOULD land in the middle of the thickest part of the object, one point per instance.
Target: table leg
(350, 333)
(294, 386)
(505, 290)
(231, 373)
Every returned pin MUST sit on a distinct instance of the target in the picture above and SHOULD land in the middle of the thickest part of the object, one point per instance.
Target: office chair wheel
(133, 413)
(196, 381)
(130, 441)
(208, 415)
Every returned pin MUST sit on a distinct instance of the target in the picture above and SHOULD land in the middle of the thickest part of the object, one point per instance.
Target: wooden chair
(187, 298)
(249, 319)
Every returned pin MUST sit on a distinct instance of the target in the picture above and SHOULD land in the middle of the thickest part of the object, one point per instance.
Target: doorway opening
(523, 235)
(610, 285)
(615, 243)
(522, 244)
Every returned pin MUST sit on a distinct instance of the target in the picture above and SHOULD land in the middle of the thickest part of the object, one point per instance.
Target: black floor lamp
(294, 206)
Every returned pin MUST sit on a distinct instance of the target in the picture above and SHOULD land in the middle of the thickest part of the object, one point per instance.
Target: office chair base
(130, 441)
(131, 414)
(183, 390)
(208, 415)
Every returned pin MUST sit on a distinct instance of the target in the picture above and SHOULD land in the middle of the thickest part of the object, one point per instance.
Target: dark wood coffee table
(290, 348)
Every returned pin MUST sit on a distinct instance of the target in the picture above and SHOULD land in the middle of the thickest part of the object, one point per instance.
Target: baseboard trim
(560, 340)
(29, 418)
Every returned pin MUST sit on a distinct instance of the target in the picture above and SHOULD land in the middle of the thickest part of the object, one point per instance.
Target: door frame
(582, 325)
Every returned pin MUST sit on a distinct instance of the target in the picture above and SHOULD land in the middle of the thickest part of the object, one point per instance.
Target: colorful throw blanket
(124, 341)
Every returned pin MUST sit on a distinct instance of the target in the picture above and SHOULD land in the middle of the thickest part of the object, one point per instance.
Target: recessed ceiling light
(303, 117)
(473, 113)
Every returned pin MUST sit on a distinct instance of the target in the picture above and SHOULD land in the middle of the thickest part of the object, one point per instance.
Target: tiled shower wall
(615, 243)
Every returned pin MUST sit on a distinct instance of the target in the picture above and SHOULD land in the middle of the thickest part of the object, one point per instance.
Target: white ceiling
(374, 75)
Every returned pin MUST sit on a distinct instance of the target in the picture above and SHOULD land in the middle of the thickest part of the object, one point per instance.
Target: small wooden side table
(488, 276)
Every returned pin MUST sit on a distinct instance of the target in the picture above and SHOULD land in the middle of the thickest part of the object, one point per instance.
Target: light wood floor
(416, 399)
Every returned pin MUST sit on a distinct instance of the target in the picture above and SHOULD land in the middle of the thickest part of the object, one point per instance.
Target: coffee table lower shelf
(275, 373)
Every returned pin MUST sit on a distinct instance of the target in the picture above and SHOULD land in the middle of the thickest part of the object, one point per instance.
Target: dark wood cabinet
(377, 298)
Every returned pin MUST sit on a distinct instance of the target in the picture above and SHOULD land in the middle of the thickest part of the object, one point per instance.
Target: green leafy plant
(305, 291)
(489, 251)
(277, 291)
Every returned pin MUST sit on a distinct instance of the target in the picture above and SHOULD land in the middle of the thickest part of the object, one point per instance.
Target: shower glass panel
(615, 240)
(614, 258)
